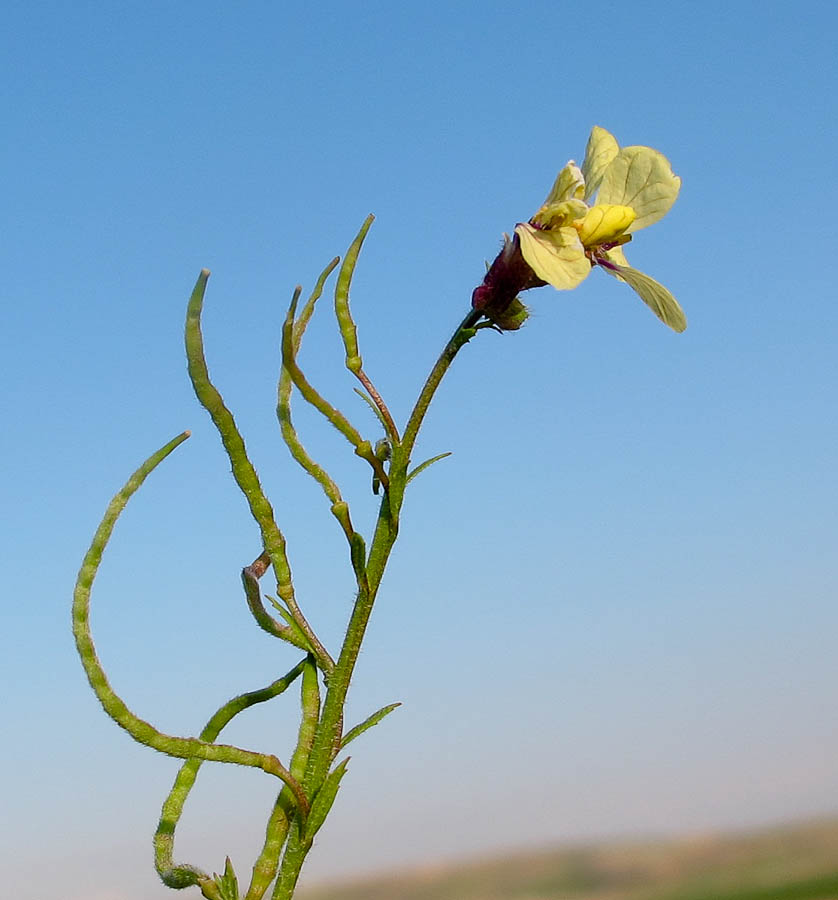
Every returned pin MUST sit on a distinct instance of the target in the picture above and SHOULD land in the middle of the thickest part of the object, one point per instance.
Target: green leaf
(368, 723)
(266, 622)
(228, 886)
(302, 640)
(325, 798)
(422, 466)
(372, 406)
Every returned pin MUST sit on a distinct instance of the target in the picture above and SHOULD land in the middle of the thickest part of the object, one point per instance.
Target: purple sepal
(508, 275)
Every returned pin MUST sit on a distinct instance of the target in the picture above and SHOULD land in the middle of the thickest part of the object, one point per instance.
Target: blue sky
(612, 610)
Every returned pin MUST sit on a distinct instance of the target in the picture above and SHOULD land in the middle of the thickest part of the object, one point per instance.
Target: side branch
(363, 448)
(243, 470)
(179, 876)
(349, 331)
(139, 729)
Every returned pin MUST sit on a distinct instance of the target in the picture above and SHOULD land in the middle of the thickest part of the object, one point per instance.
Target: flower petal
(601, 150)
(569, 185)
(604, 223)
(554, 215)
(617, 256)
(556, 256)
(641, 178)
(654, 295)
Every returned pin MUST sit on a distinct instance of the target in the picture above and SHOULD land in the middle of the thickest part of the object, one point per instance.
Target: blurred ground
(785, 863)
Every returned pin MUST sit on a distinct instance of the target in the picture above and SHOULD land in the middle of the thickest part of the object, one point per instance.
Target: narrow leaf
(227, 883)
(372, 406)
(299, 639)
(322, 803)
(422, 466)
(368, 723)
(293, 634)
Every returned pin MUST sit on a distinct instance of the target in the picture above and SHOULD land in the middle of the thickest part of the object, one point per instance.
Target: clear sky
(612, 610)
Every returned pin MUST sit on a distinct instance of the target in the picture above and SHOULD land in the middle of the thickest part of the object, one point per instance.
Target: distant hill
(794, 862)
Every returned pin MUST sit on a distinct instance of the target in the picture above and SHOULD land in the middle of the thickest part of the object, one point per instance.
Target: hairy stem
(328, 737)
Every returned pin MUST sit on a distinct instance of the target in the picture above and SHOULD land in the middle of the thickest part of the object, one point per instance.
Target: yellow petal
(654, 295)
(556, 256)
(641, 178)
(617, 256)
(569, 185)
(604, 223)
(554, 215)
(602, 148)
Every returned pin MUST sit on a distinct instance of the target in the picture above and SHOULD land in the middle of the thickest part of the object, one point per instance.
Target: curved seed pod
(346, 323)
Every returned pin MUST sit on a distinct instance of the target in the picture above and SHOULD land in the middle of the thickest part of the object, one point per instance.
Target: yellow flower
(593, 210)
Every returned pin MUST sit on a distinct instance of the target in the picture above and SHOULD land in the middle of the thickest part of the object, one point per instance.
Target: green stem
(265, 867)
(328, 737)
(283, 813)
(292, 864)
(462, 335)
(382, 544)
(380, 406)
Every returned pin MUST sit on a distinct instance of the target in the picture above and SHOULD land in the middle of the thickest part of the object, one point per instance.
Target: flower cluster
(589, 214)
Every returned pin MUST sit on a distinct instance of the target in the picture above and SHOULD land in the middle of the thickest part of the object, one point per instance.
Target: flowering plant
(588, 216)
